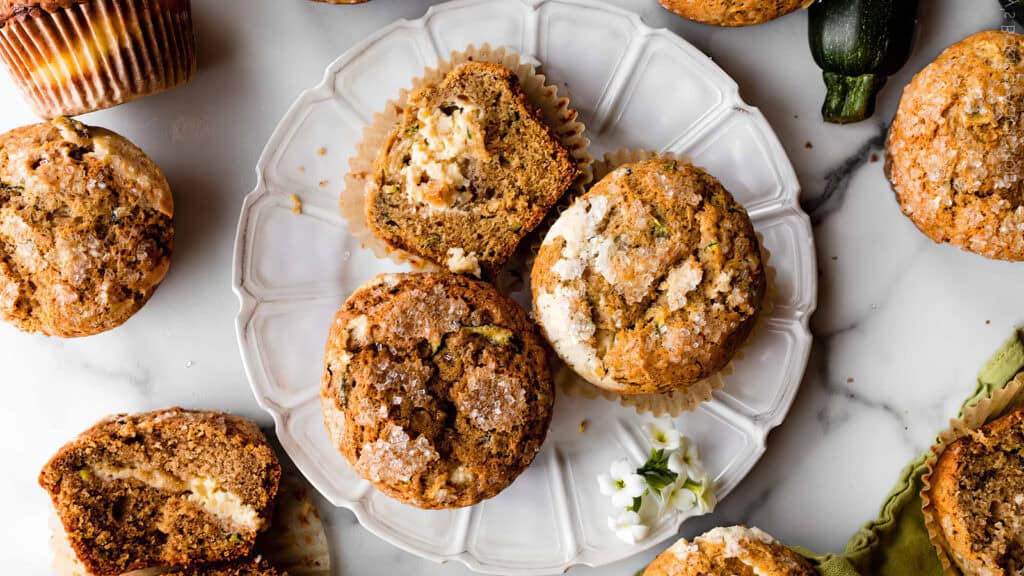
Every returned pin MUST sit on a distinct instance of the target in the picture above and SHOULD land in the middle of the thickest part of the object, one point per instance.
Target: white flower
(704, 491)
(686, 461)
(681, 498)
(662, 434)
(627, 527)
(623, 484)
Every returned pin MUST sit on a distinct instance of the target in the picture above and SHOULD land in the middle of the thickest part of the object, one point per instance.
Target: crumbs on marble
(987, 322)
(874, 158)
(296, 204)
(323, 183)
(850, 380)
(321, 151)
(583, 426)
(808, 145)
(302, 169)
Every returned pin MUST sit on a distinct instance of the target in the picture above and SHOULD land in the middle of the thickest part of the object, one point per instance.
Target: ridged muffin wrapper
(971, 418)
(92, 55)
(558, 115)
(295, 542)
(675, 402)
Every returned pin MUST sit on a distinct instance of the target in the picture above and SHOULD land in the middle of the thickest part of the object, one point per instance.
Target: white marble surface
(901, 329)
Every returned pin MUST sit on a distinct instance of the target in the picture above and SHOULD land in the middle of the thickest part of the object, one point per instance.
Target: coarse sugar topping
(396, 457)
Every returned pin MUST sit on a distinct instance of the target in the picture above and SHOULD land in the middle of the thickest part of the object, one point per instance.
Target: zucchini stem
(850, 98)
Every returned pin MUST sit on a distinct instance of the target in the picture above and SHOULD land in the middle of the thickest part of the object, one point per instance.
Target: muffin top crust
(730, 551)
(86, 228)
(436, 388)
(956, 146)
(733, 12)
(651, 280)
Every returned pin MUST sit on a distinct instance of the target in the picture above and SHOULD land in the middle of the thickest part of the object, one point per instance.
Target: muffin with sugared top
(436, 388)
(732, 551)
(70, 57)
(733, 12)
(650, 281)
(956, 147)
(86, 229)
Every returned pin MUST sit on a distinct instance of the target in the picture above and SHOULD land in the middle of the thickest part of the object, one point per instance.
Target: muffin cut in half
(956, 146)
(470, 169)
(651, 280)
(168, 488)
(246, 567)
(732, 551)
(977, 498)
(85, 228)
(436, 388)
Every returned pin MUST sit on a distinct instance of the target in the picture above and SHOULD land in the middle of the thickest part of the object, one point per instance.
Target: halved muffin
(977, 498)
(470, 169)
(650, 281)
(168, 488)
(732, 551)
(436, 388)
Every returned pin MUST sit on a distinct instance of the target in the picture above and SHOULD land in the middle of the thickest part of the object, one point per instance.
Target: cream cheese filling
(204, 491)
(433, 175)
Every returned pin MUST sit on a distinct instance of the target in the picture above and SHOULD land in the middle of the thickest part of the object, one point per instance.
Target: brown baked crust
(977, 491)
(956, 146)
(669, 284)
(733, 12)
(436, 388)
(515, 171)
(734, 551)
(86, 228)
(247, 567)
(116, 523)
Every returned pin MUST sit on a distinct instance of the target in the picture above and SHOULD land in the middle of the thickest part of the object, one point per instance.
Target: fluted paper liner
(295, 543)
(97, 54)
(971, 418)
(558, 115)
(675, 402)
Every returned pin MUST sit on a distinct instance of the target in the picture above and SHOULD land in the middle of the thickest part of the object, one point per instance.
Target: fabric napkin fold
(896, 543)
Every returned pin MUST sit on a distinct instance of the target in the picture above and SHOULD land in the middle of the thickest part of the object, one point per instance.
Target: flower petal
(622, 468)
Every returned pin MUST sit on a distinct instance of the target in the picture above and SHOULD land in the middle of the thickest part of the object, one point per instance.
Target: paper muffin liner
(295, 543)
(675, 402)
(971, 418)
(92, 55)
(558, 115)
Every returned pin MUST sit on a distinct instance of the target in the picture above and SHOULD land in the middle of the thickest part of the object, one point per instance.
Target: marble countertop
(901, 328)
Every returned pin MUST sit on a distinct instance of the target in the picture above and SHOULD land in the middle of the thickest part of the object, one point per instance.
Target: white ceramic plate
(635, 87)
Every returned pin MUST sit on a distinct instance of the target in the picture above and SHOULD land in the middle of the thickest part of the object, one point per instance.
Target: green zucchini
(1015, 8)
(859, 44)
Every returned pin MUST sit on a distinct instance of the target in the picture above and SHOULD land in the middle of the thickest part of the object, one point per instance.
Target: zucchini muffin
(85, 228)
(956, 147)
(733, 551)
(470, 169)
(70, 57)
(247, 567)
(168, 488)
(436, 388)
(977, 496)
(733, 12)
(650, 281)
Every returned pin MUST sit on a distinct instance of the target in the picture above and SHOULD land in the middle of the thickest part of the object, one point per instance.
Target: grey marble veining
(901, 329)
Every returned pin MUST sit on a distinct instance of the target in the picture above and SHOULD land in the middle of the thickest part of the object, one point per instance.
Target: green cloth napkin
(896, 543)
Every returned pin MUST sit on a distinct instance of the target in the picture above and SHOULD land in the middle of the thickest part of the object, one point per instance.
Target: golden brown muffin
(468, 172)
(651, 280)
(733, 12)
(85, 228)
(956, 147)
(168, 488)
(977, 492)
(436, 388)
(70, 57)
(247, 567)
(733, 551)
